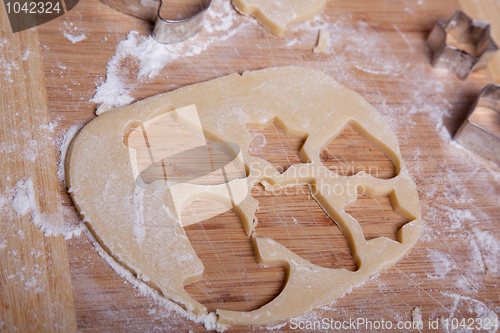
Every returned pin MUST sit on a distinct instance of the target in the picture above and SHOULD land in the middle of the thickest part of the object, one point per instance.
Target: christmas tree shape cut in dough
(275, 146)
(140, 225)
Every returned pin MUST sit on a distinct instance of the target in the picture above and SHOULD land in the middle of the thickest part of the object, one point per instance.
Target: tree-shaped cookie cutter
(164, 31)
(477, 138)
(474, 35)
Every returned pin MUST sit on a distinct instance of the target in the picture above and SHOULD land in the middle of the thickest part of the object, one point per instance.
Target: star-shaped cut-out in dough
(349, 153)
(377, 216)
(270, 143)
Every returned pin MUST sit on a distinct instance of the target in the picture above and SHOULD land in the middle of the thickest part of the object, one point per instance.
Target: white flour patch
(74, 39)
(458, 217)
(25, 55)
(442, 264)
(490, 249)
(21, 201)
(477, 257)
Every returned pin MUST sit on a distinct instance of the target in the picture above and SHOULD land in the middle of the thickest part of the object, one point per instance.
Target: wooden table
(377, 48)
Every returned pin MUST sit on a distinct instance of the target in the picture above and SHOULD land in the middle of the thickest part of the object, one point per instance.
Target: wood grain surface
(378, 49)
(35, 285)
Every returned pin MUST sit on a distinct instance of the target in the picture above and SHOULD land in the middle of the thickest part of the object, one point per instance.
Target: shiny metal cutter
(465, 31)
(476, 138)
(164, 31)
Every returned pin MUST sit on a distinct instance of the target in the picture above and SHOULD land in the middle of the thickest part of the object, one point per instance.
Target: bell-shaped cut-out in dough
(295, 220)
(277, 15)
(232, 279)
(349, 153)
(270, 143)
(140, 225)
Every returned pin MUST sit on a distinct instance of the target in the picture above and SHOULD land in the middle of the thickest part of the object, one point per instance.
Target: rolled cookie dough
(302, 102)
(277, 15)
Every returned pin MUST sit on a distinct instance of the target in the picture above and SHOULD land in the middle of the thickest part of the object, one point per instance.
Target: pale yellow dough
(323, 38)
(303, 102)
(277, 15)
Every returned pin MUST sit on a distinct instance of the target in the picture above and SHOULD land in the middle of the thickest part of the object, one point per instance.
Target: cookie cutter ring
(475, 44)
(477, 138)
(165, 31)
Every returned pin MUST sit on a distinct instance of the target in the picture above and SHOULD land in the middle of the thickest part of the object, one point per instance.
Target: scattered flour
(71, 37)
(442, 264)
(476, 255)
(7, 65)
(74, 39)
(276, 327)
(458, 217)
(490, 247)
(21, 202)
(25, 55)
(480, 309)
(63, 148)
(416, 318)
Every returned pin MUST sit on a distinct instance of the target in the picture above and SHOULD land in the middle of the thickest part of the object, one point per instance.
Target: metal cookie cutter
(477, 138)
(165, 31)
(474, 45)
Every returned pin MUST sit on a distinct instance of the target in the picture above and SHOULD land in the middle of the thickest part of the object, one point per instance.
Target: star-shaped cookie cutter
(164, 31)
(475, 45)
(477, 138)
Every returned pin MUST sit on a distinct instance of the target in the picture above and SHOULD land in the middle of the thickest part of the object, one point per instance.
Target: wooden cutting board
(377, 49)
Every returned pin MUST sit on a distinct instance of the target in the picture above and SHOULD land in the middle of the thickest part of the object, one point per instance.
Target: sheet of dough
(300, 100)
(276, 16)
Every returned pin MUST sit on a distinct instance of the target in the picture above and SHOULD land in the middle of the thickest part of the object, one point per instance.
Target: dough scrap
(277, 15)
(323, 38)
(105, 190)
